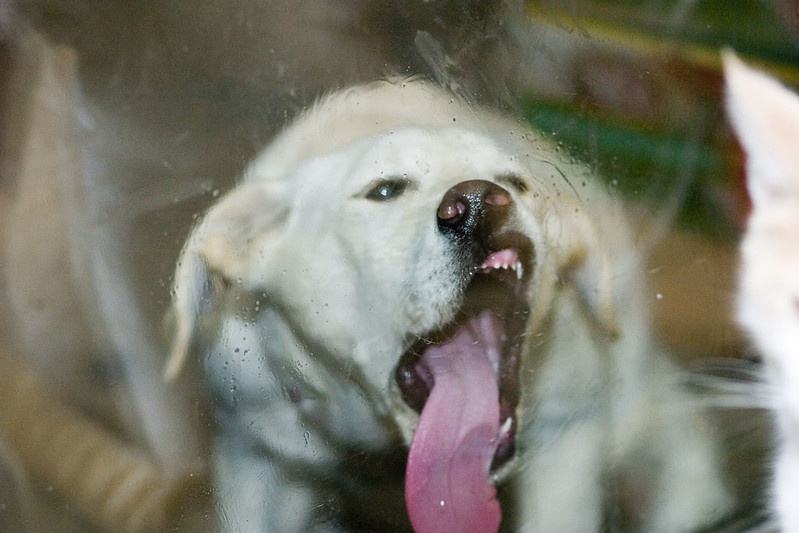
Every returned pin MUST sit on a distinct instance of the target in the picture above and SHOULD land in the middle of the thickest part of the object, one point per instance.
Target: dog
(765, 117)
(409, 297)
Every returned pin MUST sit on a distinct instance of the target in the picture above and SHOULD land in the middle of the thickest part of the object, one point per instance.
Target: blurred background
(121, 122)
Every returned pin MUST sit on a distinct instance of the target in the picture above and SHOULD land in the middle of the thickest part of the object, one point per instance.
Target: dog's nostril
(451, 212)
(498, 199)
(471, 205)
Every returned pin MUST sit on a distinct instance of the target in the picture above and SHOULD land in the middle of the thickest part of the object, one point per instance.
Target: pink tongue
(446, 480)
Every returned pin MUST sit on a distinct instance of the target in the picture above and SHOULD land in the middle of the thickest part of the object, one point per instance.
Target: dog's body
(392, 222)
(766, 118)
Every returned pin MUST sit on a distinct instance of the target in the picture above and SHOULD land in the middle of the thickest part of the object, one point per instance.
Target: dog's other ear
(587, 270)
(220, 252)
(765, 116)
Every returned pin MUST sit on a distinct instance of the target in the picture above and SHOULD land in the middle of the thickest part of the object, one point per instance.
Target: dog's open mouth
(464, 381)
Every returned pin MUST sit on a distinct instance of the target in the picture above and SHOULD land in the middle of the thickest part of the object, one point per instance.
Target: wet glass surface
(121, 124)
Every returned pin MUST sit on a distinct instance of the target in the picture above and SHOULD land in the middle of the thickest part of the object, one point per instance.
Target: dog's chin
(494, 310)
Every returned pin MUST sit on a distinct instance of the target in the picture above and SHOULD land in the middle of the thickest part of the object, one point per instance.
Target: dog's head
(428, 229)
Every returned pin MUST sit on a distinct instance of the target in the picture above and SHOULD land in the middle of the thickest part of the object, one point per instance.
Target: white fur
(301, 295)
(765, 115)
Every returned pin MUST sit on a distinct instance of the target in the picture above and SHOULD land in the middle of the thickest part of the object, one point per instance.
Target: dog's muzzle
(463, 377)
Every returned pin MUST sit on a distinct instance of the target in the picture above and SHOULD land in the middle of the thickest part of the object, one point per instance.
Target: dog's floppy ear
(765, 115)
(220, 252)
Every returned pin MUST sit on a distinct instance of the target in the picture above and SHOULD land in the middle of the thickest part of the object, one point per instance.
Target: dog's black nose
(473, 208)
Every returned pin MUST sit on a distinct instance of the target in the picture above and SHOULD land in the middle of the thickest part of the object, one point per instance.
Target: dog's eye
(513, 180)
(386, 189)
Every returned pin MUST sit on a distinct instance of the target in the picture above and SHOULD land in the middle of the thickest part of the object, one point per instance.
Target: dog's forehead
(434, 155)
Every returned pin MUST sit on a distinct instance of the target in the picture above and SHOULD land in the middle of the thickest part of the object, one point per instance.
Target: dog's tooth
(505, 428)
(519, 270)
(505, 266)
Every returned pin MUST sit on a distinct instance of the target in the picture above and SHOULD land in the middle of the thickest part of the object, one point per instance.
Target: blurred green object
(675, 147)
(765, 30)
(654, 166)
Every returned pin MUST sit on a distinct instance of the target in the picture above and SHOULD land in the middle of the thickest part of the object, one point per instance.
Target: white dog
(397, 251)
(765, 116)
